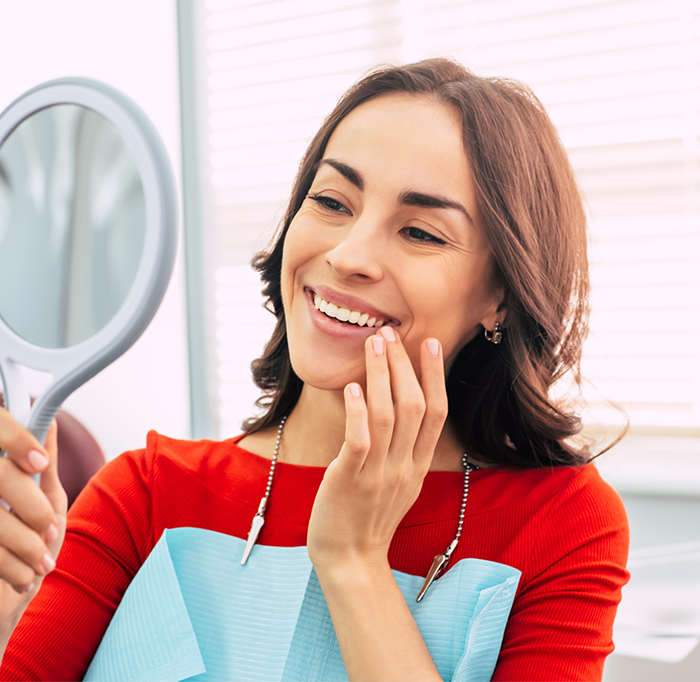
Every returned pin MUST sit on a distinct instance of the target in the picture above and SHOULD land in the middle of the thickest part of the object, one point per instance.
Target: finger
(24, 544)
(25, 498)
(50, 482)
(357, 439)
(16, 572)
(380, 406)
(436, 405)
(408, 396)
(20, 445)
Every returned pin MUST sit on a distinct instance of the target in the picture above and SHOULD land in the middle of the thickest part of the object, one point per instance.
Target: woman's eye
(418, 235)
(329, 203)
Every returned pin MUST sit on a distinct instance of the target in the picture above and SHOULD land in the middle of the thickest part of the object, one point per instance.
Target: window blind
(275, 70)
(620, 79)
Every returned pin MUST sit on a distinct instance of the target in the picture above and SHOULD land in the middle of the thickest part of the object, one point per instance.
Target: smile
(347, 315)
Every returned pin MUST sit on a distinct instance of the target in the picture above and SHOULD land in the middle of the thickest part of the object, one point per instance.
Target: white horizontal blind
(621, 80)
(275, 70)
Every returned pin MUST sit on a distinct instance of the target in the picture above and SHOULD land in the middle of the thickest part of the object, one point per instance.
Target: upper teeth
(345, 314)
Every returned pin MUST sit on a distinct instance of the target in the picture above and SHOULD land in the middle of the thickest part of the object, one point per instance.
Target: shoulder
(536, 517)
(170, 466)
(187, 453)
(583, 517)
(572, 490)
(175, 473)
(168, 456)
(581, 495)
(574, 499)
(168, 484)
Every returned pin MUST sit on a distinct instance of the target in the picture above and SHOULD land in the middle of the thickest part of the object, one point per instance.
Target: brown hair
(534, 221)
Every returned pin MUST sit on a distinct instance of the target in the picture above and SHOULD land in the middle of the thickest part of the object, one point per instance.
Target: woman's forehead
(407, 141)
(410, 118)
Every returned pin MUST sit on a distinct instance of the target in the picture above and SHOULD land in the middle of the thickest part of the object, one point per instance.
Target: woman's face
(389, 232)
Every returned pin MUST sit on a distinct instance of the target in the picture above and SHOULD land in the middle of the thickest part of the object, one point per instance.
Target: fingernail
(388, 333)
(51, 533)
(37, 460)
(355, 390)
(378, 345)
(433, 347)
(48, 563)
(28, 588)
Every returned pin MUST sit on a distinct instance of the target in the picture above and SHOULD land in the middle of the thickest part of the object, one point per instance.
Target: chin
(327, 375)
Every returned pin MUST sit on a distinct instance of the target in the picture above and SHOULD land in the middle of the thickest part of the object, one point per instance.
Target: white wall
(132, 45)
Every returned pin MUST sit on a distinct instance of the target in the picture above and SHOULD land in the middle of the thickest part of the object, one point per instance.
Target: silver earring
(495, 336)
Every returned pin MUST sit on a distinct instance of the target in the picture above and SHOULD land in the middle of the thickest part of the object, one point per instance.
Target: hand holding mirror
(88, 233)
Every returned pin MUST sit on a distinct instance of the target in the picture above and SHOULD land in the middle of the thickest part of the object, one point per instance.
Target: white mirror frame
(73, 366)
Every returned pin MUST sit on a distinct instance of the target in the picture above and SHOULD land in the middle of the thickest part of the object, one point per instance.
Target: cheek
(286, 277)
(294, 255)
(448, 308)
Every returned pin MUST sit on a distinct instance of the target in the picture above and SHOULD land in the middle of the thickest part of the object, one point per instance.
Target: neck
(315, 429)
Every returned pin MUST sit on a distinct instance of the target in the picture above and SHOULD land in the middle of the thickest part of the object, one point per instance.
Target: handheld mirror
(88, 232)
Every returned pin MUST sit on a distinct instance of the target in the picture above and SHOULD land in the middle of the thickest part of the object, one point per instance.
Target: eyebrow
(346, 171)
(432, 201)
(407, 198)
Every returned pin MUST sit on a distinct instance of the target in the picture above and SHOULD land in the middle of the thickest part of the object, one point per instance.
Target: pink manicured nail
(37, 460)
(388, 333)
(433, 347)
(51, 533)
(354, 389)
(48, 563)
(28, 588)
(378, 345)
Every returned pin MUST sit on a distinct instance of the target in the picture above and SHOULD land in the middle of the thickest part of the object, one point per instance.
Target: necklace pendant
(259, 518)
(255, 528)
(439, 563)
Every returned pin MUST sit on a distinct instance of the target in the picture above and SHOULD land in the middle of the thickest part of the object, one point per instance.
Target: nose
(359, 253)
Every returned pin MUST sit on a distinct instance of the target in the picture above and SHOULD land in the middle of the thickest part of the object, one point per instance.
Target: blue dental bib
(194, 613)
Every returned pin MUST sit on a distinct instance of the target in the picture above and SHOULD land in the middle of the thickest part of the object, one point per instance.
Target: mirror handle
(17, 399)
(40, 425)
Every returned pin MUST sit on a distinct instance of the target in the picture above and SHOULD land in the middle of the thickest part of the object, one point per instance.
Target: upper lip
(351, 303)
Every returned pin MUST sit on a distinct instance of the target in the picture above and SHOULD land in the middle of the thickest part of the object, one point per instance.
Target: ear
(496, 310)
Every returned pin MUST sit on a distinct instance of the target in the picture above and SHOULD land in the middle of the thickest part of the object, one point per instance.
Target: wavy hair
(533, 218)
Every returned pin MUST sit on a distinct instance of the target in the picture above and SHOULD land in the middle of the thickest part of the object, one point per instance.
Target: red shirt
(564, 528)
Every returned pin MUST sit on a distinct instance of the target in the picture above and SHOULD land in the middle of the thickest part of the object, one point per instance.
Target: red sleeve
(108, 537)
(560, 627)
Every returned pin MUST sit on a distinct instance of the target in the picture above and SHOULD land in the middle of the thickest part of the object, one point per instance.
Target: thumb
(51, 485)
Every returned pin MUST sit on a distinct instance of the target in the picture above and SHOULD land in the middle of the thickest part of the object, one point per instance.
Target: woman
(430, 285)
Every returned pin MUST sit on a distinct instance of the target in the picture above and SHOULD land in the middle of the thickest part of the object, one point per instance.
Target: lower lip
(333, 327)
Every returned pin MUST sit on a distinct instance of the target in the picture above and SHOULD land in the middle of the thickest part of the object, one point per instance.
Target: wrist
(8, 625)
(352, 570)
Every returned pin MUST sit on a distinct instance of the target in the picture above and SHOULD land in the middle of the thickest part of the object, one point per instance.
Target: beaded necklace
(439, 562)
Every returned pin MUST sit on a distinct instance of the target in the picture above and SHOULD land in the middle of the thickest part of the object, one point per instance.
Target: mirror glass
(72, 206)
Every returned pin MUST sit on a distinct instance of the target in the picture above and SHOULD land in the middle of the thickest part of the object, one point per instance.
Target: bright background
(237, 88)
(621, 80)
(131, 45)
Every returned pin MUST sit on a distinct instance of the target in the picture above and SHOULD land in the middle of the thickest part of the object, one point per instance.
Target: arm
(560, 627)
(378, 637)
(107, 538)
(364, 495)
(561, 623)
(32, 533)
